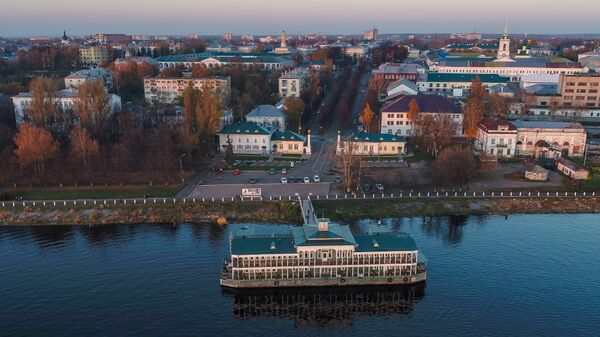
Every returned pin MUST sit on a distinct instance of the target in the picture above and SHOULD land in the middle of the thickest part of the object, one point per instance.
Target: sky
(212, 17)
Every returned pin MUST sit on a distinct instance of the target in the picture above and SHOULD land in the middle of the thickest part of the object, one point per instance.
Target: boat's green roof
(248, 242)
(385, 242)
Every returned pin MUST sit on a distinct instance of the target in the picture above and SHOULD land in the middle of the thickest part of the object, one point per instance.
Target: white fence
(363, 196)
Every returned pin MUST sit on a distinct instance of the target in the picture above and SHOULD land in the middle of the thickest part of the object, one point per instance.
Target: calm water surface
(528, 275)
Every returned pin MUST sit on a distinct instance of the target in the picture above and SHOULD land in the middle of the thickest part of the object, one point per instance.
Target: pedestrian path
(308, 213)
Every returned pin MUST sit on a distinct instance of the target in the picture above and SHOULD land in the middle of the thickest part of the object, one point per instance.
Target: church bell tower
(504, 45)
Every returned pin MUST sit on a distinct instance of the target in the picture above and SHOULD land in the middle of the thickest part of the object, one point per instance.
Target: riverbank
(216, 212)
(289, 211)
(349, 210)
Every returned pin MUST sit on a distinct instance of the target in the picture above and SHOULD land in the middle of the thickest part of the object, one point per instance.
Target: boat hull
(324, 282)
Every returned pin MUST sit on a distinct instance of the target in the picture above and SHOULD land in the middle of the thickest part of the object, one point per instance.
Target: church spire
(283, 40)
(505, 34)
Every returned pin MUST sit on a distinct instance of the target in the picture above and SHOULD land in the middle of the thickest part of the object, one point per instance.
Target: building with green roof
(456, 84)
(371, 144)
(325, 254)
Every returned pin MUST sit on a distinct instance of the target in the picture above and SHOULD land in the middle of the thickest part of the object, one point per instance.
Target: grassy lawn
(381, 158)
(419, 156)
(251, 158)
(96, 193)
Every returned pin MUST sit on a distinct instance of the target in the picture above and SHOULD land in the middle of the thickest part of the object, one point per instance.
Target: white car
(306, 180)
(316, 179)
(284, 180)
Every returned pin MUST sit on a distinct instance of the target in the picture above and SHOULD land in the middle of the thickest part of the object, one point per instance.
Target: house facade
(456, 84)
(371, 144)
(293, 82)
(530, 138)
(166, 90)
(496, 137)
(395, 117)
(94, 56)
(248, 138)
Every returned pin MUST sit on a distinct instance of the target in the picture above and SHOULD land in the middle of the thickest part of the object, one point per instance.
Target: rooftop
(376, 137)
(427, 103)
(245, 128)
(546, 125)
(248, 241)
(484, 78)
(287, 135)
(494, 124)
(396, 68)
(265, 110)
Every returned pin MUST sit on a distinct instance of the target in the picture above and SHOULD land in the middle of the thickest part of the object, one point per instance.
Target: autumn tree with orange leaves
(35, 147)
(474, 109)
(413, 110)
(366, 118)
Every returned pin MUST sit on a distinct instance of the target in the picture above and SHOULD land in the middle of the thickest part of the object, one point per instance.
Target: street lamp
(181, 165)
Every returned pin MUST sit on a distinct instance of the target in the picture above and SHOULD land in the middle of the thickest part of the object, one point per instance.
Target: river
(487, 276)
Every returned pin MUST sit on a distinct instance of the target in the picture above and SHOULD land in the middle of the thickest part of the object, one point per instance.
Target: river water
(528, 275)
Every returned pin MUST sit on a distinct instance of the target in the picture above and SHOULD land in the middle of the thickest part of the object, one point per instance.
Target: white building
(496, 137)
(246, 138)
(514, 68)
(530, 138)
(249, 138)
(456, 85)
(97, 74)
(267, 116)
(166, 90)
(394, 114)
(355, 51)
(401, 87)
(66, 100)
(293, 82)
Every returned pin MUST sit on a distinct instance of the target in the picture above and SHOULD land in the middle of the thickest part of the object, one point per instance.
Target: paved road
(275, 190)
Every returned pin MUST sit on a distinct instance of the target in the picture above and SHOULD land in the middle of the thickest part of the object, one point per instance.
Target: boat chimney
(323, 225)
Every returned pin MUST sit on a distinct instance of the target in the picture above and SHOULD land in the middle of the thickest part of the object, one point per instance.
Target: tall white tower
(504, 45)
(283, 40)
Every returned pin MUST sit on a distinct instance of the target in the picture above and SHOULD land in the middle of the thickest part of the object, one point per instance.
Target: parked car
(237, 162)
(253, 180)
(291, 180)
(283, 171)
(284, 180)
(236, 172)
(367, 187)
(379, 187)
(272, 171)
(299, 180)
(306, 180)
(316, 179)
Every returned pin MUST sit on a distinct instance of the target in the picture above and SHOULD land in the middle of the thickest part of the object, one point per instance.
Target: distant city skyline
(260, 17)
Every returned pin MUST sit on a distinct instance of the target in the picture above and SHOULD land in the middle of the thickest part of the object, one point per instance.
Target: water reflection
(51, 237)
(325, 306)
(449, 229)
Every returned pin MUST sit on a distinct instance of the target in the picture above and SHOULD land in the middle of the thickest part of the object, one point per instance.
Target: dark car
(272, 171)
(253, 180)
(367, 187)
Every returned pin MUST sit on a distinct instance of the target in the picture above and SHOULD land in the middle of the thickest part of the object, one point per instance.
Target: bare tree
(43, 102)
(351, 165)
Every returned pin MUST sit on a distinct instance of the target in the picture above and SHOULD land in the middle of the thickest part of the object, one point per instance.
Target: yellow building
(372, 144)
(93, 56)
